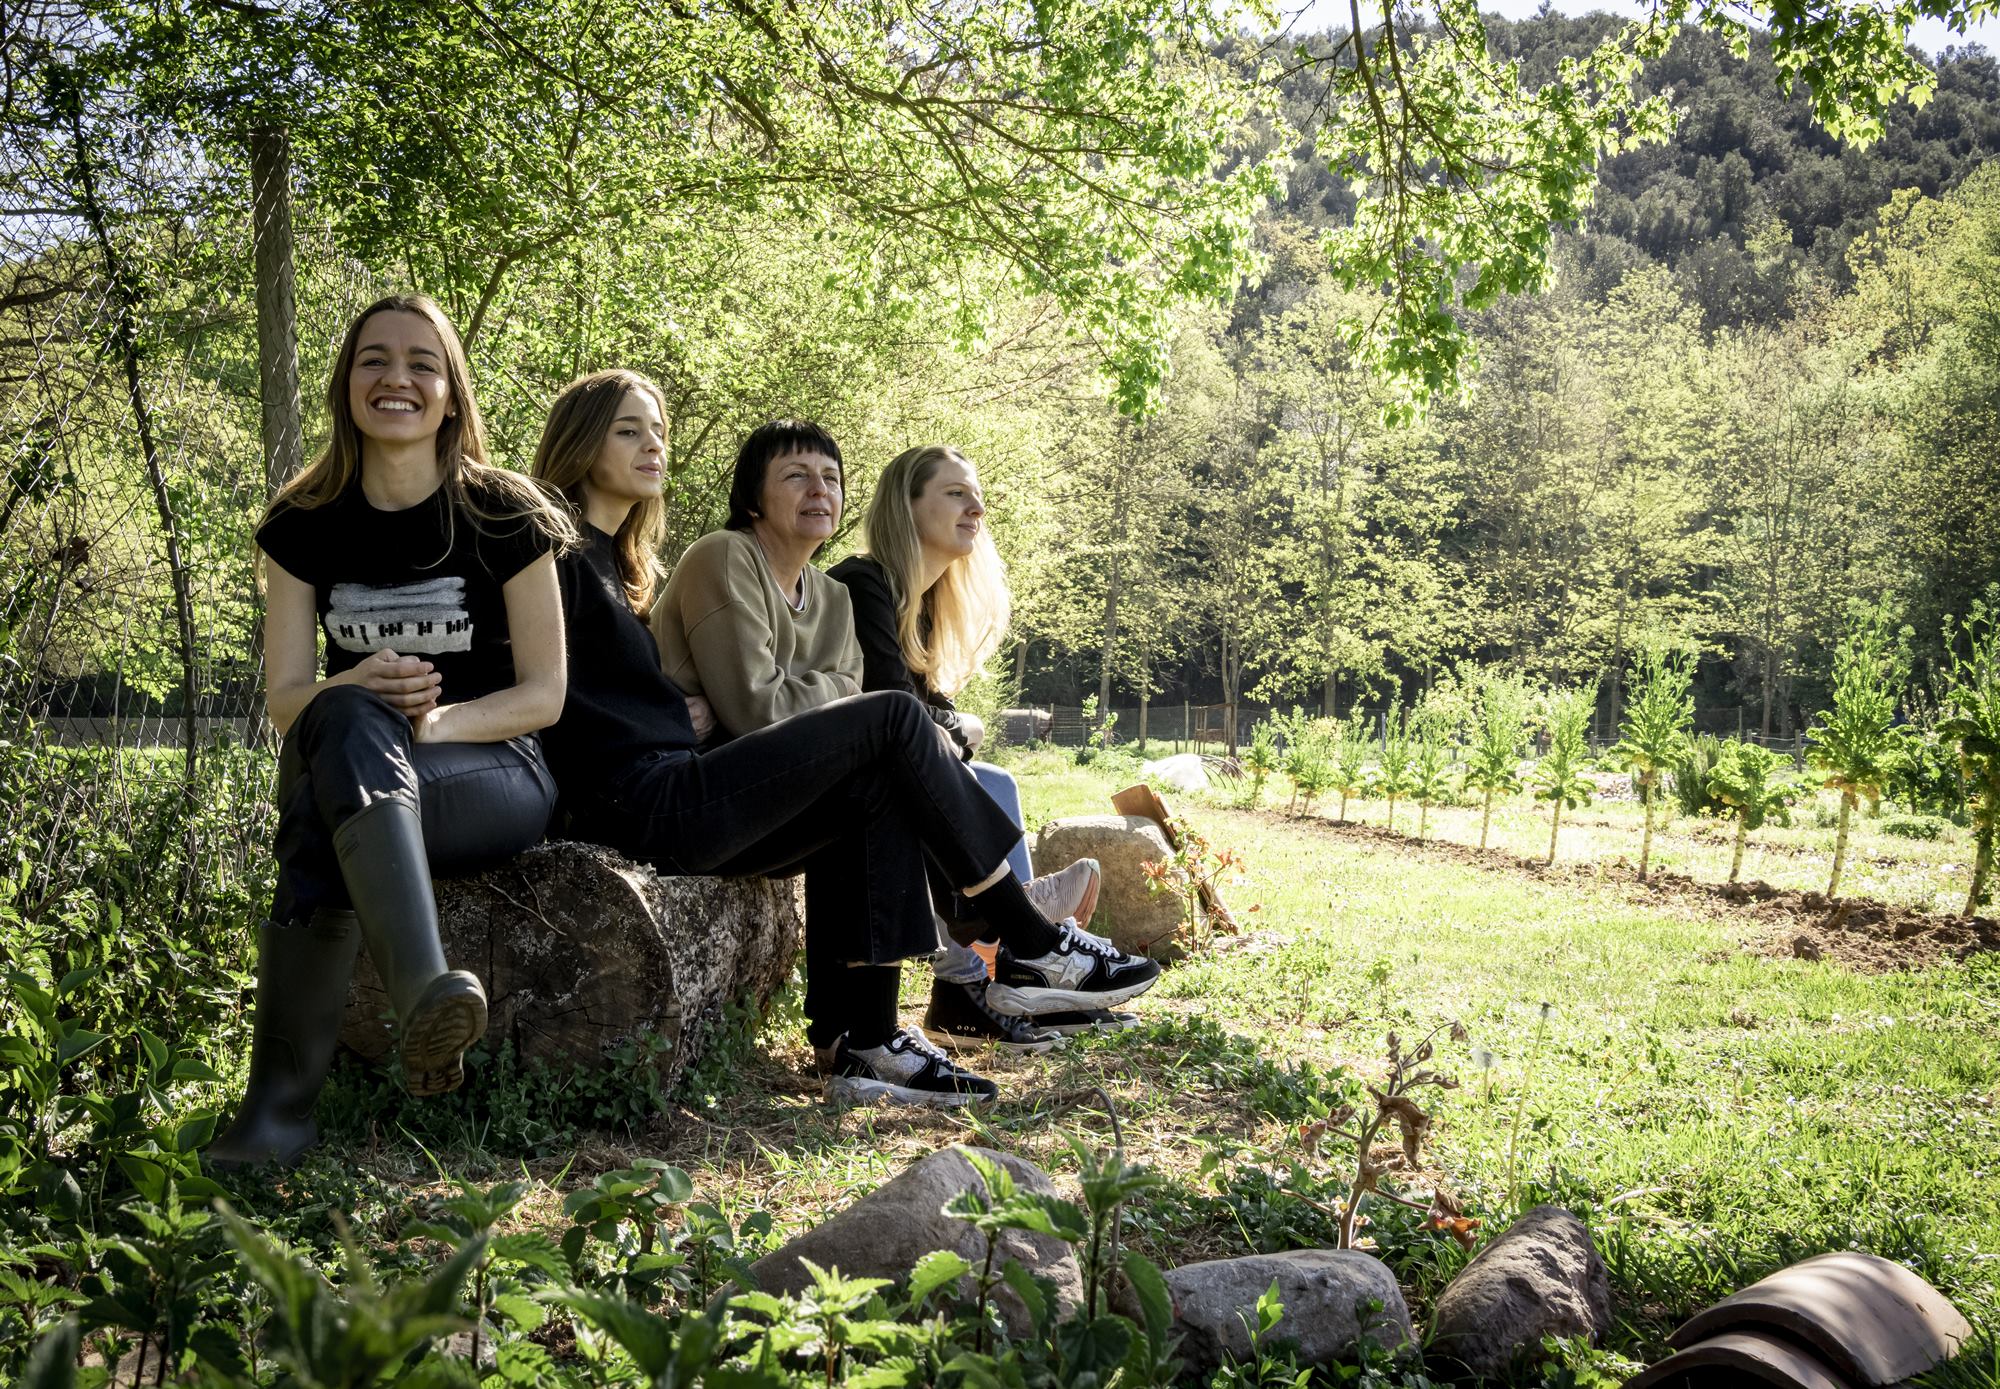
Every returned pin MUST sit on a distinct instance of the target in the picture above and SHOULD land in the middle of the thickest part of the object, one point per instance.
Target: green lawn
(1711, 1112)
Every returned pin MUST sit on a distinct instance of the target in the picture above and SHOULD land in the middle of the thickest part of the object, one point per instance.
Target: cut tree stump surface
(580, 949)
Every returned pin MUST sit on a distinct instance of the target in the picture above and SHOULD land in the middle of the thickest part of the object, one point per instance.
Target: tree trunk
(580, 950)
(277, 342)
(1742, 837)
(1392, 813)
(1982, 869)
(1145, 702)
(1646, 842)
(1486, 817)
(1020, 666)
(1423, 819)
(1343, 807)
(125, 299)
(1555, 824)
(1840, 845)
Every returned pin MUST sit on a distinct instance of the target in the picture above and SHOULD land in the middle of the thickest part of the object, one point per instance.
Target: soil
(1864, 935)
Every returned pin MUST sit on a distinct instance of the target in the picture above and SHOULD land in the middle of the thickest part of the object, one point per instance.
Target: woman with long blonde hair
(431, 575)
(930, 608)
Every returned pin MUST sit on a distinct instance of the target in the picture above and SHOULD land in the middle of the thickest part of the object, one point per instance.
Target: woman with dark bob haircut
(432, 576)
(856, 791)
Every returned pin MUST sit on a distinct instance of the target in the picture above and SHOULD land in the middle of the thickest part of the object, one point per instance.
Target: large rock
(1324, 1292)
(884, 1234)
(1137, 919)
(1541, 1278)
(581, 949)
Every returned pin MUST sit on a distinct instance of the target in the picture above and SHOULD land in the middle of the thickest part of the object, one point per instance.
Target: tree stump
(581, 949)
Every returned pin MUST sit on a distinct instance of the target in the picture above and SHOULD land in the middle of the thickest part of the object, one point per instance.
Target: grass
(1712, 1113)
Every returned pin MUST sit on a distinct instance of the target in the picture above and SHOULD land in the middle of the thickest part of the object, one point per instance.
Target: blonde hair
(579, 423)
(461, 440)
(948, 631)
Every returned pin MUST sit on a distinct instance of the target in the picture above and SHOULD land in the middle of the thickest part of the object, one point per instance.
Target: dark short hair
(766, 442)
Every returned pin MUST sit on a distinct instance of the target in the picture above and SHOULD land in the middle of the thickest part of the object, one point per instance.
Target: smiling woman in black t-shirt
(431, 576)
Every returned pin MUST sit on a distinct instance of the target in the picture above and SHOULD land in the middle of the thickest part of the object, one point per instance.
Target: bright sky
(1930, 35)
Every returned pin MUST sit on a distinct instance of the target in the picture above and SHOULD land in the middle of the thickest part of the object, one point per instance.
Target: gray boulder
(1542, 1277)
(1323, 1291)
(884, 1234)
(1138, 920)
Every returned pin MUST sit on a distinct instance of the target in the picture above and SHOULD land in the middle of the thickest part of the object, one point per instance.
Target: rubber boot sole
(450, 1017)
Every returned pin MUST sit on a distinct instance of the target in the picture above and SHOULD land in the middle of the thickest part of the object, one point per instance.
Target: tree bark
(1982, 869)
(277, 342)
(1646, 843)
(1840, 845)
(125, 297)
(580, 950)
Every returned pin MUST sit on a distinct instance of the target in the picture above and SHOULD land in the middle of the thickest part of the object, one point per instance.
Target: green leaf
(1156, 1303)
(1032, 1297)
(934, 1271)
(52, 1363)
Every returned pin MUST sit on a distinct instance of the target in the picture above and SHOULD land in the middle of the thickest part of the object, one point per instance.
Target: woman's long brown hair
(461, 440)
(579, 423)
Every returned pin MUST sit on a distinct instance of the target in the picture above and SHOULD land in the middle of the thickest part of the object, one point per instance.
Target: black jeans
(857, 793)
(349, 748)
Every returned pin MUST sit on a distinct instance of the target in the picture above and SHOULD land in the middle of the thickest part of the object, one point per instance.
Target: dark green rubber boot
(302, 978)
(439, 1011)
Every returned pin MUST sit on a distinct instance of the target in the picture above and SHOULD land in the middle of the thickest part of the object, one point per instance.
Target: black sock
(873, 991)
(1009, 913)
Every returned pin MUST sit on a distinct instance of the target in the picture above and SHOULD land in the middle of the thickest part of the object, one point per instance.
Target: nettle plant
(1659, 719)
(1854, 746)
(1970, 706)
(1559, 777)
(1493, 767)
(1748, 785)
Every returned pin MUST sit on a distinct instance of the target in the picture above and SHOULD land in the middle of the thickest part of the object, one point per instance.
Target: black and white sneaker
(1082, 972)
(1070, 1022)
(960, 1019)
(906, 1069)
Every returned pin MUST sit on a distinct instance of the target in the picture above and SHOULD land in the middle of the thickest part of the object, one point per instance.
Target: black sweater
(620, 705)
(882, 665)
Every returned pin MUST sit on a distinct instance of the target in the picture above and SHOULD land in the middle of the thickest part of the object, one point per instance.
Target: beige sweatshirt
(726, 633)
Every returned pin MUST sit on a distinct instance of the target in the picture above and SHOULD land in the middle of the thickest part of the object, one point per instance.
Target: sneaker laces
(1085, 941)
(917, 1043)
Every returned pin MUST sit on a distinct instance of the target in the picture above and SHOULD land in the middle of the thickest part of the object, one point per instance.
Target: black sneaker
(959, 1018)
(1082, 972)
(1072, 1021)
(906, 1069)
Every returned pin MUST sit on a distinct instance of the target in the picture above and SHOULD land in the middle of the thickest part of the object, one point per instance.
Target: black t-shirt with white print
(424, 581)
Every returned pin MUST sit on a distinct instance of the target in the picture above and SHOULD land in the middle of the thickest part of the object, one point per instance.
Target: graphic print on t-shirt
(428, 617)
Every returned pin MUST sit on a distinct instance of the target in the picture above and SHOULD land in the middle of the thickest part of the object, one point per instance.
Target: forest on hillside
(1760, 390)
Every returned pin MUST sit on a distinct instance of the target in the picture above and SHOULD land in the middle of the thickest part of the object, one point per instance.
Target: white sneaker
(906, 1069)
(1070, 893)
(1082, 972)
